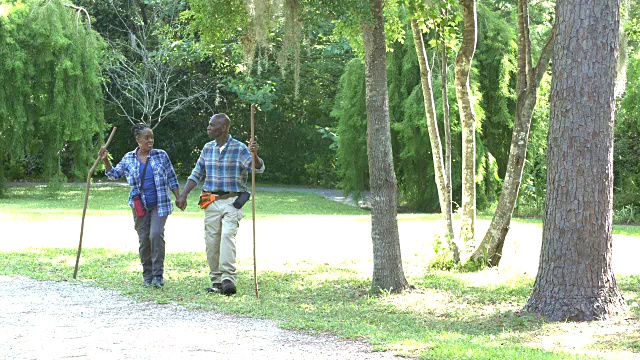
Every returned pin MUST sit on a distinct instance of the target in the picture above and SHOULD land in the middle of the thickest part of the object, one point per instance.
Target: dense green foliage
(294, 128)
(412, 149)
(627, 130)
(351, 113)
(310, 101)
(50, 99)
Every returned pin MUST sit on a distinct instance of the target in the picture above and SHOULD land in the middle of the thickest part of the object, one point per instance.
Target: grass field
(320, 283)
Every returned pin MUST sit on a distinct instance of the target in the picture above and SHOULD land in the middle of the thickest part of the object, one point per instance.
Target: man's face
(215, 128)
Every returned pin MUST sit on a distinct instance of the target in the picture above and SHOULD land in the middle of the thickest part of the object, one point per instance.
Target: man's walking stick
(253, 204)
(86, 199)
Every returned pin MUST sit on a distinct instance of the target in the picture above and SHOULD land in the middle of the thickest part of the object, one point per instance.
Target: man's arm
(197, 173)
(253, 149)
(181, 199)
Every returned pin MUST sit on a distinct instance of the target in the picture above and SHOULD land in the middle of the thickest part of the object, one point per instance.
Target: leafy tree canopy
(51, 98)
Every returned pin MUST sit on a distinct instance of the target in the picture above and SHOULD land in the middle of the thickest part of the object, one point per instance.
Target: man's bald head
(219, 127)
(222, 119)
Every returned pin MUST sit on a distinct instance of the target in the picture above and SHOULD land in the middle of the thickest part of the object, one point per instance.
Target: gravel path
(58, 320)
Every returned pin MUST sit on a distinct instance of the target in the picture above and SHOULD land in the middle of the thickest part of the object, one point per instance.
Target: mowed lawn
(314, 261)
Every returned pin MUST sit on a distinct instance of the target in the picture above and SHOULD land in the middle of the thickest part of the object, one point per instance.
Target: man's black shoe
(228, 287)
(215, 288)
(147, 282)
(157, 281)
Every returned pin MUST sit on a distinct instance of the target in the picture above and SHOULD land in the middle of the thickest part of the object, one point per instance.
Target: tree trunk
(490, 249)
(467, 120)
(388, 273)
(444, 186)
(575, 280)
(447, 127)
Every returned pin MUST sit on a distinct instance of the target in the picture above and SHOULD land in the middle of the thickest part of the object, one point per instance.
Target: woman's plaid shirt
(163, 175)
(226, 170)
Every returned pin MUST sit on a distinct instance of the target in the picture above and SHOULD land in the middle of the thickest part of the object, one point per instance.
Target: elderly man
(224, 164)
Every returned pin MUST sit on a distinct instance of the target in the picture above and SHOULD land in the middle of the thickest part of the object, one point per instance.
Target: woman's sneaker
(157, 281)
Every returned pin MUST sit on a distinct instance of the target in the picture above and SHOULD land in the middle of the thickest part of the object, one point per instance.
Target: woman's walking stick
(86, 199)
(253, 204)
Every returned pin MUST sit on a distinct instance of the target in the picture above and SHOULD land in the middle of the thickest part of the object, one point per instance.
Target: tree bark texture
(490, 249)
(575, 280)
(467, 119)
(442, 183)
(388, 273)
(444, 76)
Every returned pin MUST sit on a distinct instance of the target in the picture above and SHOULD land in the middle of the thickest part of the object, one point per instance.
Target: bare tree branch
(142, 83)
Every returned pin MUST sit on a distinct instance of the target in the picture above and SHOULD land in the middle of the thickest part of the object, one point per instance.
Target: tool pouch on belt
(206, 199)
(241, 200)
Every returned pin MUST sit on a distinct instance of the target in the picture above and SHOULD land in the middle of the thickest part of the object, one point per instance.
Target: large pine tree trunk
(467, 120)
(388, 273)
(442, 183)
(490, 249)
(575, 280)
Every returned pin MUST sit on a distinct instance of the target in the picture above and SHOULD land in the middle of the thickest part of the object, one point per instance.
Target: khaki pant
(221, 221)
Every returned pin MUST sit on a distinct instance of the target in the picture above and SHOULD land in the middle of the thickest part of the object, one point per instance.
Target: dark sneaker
(157, 281)
(147, 282)
(228, 287)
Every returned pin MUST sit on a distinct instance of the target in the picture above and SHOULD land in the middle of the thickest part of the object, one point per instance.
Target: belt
(221, 195)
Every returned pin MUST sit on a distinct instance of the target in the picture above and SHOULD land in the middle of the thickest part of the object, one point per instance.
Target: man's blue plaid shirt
(163, 174)
(226, 170)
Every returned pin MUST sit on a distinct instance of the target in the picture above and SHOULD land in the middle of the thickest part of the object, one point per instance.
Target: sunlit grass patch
(448, 315)
(35, 203)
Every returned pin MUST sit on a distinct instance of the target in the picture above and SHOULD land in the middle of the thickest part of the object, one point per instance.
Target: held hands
(181, 202)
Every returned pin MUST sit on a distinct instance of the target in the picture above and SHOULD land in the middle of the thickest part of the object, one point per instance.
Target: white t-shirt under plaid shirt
(224, 169)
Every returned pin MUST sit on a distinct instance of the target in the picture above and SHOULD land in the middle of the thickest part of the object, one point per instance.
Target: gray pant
(150, 229)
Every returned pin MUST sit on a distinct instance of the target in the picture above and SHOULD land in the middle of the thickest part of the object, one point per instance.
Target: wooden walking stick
(86, 199)
(253, 204)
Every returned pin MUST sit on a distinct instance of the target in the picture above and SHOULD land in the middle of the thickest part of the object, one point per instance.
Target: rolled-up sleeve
(247, 159)
(172, 177)
(261, 170)
(117, 171)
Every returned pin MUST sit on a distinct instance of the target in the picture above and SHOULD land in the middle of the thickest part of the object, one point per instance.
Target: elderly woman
(150, 175)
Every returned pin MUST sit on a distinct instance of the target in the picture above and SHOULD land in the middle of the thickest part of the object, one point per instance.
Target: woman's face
(145, 140)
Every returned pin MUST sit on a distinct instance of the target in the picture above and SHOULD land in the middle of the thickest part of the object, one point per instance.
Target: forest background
(70, 72)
